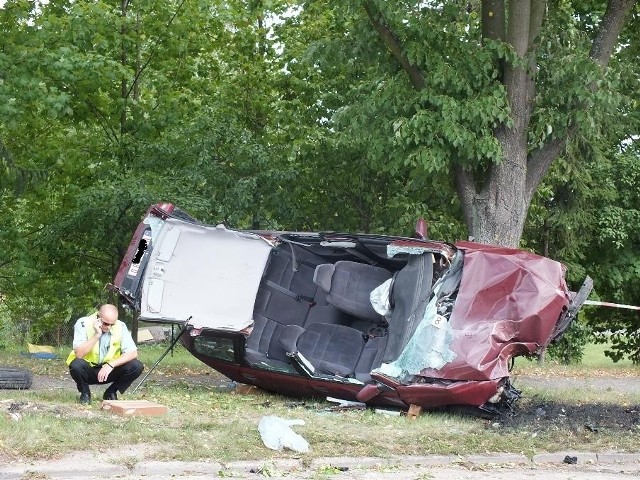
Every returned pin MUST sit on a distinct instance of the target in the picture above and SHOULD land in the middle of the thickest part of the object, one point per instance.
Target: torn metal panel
(508, 304)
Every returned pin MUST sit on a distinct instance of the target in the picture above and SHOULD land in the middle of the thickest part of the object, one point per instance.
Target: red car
(389, 321)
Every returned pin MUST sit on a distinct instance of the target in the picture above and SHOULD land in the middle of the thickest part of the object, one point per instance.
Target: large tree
(500, 89)
(118, 104)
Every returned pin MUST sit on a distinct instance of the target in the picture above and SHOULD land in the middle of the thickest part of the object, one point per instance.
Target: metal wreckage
(384, 320)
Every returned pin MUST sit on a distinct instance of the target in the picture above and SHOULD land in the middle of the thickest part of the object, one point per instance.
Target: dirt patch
(535, 414)
(17, 409)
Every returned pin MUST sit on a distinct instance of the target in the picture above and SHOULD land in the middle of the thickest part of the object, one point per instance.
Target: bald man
(103, 352)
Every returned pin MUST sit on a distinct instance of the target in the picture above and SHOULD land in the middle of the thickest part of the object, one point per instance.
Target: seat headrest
(322, 276)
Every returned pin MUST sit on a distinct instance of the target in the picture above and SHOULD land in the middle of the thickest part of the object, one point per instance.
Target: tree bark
(497, 213)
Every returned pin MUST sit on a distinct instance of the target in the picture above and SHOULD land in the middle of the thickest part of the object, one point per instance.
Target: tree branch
(612, 23)
(540, 159)
(517, 77)
(538, 9)
(393, 44)
(154, 50)
(518, 26)
(610, 28)
(103, 122)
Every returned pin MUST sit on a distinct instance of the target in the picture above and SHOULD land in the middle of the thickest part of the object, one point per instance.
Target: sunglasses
(107, 323)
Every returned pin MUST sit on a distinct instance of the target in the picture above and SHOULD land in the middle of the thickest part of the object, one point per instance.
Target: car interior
(313, 309)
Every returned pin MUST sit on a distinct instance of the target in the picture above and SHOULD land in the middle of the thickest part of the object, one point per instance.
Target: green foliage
(10, 332)
(569, 349)
(356, 173)
(586, 212)
(586, 216)
(127, 107)
(294, 115)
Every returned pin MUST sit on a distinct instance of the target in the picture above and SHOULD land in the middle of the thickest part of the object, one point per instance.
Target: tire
(15, 378)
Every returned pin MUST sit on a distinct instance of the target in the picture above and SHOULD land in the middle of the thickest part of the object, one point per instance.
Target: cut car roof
(208, 274)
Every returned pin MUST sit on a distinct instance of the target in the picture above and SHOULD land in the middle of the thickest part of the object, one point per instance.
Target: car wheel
(15, 378)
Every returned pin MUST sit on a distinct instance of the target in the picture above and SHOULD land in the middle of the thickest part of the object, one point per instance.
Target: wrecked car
(385, 320)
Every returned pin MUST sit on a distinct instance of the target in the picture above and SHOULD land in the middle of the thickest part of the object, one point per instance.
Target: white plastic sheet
(276, 434)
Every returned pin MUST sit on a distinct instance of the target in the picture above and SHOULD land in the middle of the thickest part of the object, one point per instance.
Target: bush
(570, 347)
(12, 332)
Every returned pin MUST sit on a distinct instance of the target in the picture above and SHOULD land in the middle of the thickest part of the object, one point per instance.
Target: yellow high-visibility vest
(93, 357)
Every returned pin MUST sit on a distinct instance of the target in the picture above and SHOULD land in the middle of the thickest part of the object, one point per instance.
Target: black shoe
(109, 396)
(85, 397)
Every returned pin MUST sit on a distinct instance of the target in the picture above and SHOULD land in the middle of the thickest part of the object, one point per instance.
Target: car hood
(508, 304)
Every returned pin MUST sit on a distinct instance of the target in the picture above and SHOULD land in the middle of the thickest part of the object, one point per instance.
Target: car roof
(207, 274)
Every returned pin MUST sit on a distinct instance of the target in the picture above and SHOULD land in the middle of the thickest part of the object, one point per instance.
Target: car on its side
(385, 320)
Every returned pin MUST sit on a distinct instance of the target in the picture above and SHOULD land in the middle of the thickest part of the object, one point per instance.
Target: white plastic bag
(276, 434)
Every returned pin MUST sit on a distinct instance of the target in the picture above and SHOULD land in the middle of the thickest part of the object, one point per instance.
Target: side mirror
(421, 229)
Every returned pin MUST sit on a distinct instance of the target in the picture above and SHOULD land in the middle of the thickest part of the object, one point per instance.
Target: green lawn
(206, 421)
(594, 363)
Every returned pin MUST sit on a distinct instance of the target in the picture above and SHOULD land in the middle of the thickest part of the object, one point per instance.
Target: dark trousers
(121, 377)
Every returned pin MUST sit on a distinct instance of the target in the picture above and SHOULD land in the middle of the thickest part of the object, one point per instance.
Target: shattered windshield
(428, 348)
(430, 345)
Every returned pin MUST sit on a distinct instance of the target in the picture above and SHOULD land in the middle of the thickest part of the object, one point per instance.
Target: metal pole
(184, 329)
(172, 325)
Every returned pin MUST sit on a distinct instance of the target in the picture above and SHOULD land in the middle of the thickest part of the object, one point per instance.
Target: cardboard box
(134, 407)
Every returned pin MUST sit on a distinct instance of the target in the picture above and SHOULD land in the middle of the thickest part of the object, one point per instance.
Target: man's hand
(104, 372)
(97, 325)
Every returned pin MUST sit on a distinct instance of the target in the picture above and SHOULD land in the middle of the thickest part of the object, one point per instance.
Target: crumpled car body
(385, 320)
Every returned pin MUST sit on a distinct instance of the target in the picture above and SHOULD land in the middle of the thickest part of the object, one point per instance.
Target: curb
(279, 467)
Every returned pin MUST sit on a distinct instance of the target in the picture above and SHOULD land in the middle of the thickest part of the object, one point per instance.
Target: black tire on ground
(15, 378)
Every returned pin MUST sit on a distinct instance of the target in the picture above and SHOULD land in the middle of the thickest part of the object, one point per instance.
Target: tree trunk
(495, 213)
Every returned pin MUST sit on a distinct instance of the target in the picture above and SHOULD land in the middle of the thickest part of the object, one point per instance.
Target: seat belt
(294, 258)
(285, 291)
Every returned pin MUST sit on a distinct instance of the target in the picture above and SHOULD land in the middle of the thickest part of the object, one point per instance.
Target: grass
(209, 422)
(594, 363)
